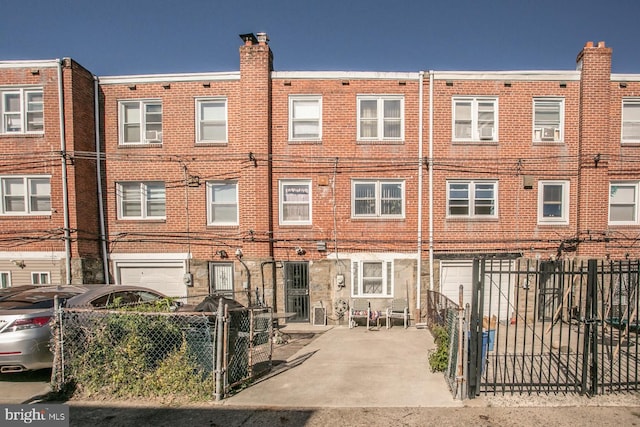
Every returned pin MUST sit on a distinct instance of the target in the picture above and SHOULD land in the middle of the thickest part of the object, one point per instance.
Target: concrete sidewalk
(354, 368)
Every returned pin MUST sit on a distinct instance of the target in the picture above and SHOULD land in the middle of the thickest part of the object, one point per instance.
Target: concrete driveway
(24, 387)
(354, 368)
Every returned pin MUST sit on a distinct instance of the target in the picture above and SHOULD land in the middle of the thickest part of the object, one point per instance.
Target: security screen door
(296, 277)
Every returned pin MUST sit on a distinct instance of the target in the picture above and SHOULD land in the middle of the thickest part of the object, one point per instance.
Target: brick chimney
(256, 62)
(595, 146)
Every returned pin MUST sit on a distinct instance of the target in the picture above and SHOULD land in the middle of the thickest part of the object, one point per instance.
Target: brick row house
(301, 190)
(47, 172)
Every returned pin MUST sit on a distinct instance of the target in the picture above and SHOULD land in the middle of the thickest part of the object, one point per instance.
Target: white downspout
(103, 239)
(431, 181)
(65, 189)
(420, 178)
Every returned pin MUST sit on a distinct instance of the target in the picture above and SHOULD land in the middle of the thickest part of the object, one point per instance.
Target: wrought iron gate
(296, 278)
(571, 327)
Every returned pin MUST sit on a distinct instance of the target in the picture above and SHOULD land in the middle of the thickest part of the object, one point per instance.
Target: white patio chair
(359, 309)
(399, 309)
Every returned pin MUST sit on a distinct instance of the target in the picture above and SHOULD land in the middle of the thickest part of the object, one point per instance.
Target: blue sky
(121, 37)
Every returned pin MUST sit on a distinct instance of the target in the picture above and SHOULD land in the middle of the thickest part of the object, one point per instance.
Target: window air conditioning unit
(486, 133)
(319, 316)
(548, 134)
(153, 136)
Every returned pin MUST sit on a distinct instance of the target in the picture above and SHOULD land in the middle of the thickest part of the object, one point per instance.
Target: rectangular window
(222, 199)
(22, 111)
(372, 199)
(553, 202)
(380, 118)
(221, 278)
(548, 118)
(295, 202)
(472, 199)
(140, 122)
(141, 200)
(372, 279)
(40, 278)
(475, 119)
(623, 203)
(211, 120)
(305, 118)
(631, 120)
(5, 279)
(25, 195)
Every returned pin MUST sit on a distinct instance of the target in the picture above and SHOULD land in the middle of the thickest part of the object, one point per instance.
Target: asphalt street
(213, 416)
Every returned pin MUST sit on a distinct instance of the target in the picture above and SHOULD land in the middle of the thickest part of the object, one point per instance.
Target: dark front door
(550, 289)
(296, 279)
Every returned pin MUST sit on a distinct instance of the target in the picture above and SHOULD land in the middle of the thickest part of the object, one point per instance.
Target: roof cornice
(30, 64)
(346, 75)
(625, 77)
(160, 78)
(507, 75)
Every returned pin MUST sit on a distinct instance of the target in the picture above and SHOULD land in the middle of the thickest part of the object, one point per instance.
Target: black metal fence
(125, 354)
(554, 326)
(446, 314)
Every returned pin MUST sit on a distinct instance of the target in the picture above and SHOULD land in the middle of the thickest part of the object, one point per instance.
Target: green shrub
(439, 358)
(133, 355)
(179, 375)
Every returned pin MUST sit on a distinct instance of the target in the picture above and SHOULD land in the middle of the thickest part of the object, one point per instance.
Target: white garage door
(498, 295)
(167, 279)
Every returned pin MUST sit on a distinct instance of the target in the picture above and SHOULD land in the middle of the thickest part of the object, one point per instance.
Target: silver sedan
(25, 334)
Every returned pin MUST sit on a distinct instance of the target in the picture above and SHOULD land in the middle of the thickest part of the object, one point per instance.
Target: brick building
(48, 170)
(302, 189)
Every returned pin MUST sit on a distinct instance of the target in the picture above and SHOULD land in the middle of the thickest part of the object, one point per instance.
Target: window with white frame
(140, 122)
(475, 119)
(22, 111)
(472, 199)
(631, 120)
(305, 118)
(553, 202)
(221, 278)
(377, 199)
(25, 195)
(141, 200)
(295, 202)
(372, 278)
(548, 120)
(623, 203)
(380, 118)
(222, 200)
(40, 278)
(211, 120)
(5, 279)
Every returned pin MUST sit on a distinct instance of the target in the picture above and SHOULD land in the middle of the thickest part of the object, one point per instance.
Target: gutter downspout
(420, 179)
(273, 284)
(431, 287)
(65, 189)
(103, 239)
(248, 286)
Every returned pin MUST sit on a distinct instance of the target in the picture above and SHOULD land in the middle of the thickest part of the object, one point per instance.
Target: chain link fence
(175, 355)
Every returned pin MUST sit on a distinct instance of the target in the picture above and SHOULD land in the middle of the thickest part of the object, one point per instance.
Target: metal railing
(445, 318)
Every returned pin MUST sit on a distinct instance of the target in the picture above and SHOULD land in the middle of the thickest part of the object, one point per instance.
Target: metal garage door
(456, 273)
(166, 279)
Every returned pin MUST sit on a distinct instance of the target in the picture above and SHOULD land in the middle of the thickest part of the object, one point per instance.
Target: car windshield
(127, 297)
(33, 300)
